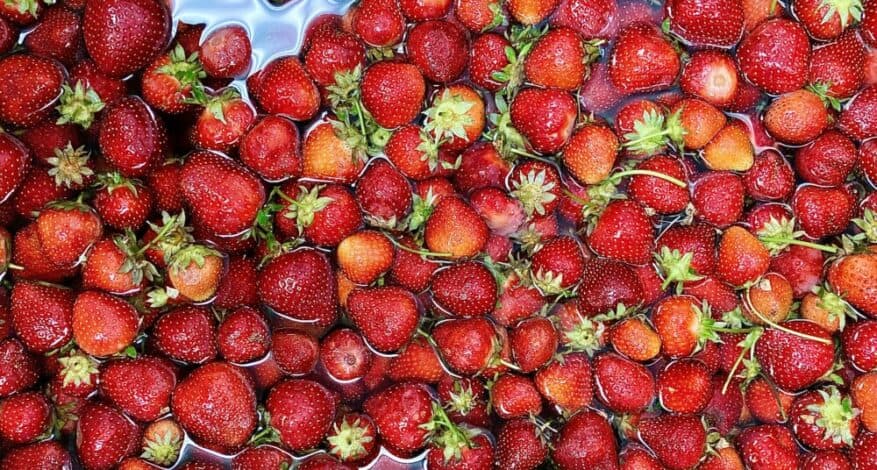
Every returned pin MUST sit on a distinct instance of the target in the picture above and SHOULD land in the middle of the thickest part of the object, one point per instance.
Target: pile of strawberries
(468, 234)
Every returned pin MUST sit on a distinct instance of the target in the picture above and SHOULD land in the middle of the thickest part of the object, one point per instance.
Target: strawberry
(223, 121)
(771, 177)
(768, 446)
(383, 194)
(58, 35)
(271, 147)
(702, 123)
(29, 86)
(378, 23)
(656, 193)
(410, 270)
(476, 453)
(439, 49)
(531, 12)
(741, 257)
(107, 89)
(840, 65)
(168, 82)
(344, 354)
(286, 88)
(718, 198)
(589, 19)
(365, 256)
(243, 336)
(622, 385)
(487, 58)
(125, 35)
(607, 284)
(24, 417)
(386, 316)
(465, 289)
(325, 215)
(225, 52)
(123, 203)
(545, 117)
(784, 75)
(711, 76)
(104, 436)
(14, 166)
(66, 230)
(223, 195)
(44, 454)
(111, 268)
(857, 341)
(591, 153)
(300, 285)
(678, 441)
(332, 53)
(19, 370)
(827, 161)
(132, 138)
(393, 92)
(400, 413)
(294, 351)
(864, 453)
(796, 117)
(418, 362)
(264, 456)
(683, 325)
(455, 229)
(826, 459)
(642, 60)
(467, 345)
(186, 334)
(585, 441)
(718, 23)
(122, 382)
(478, 16)
(165, 183)
(514, 396)
(857, 118)
(635, 339)
(850, 277)
(685, 387)
(824, 419)
(557, 266)
(557, 60)
(823, 212)
(623, 232)
(520, 445)
(799, 337)
(533, 342)
(826, 22)
(567, 382)
(41, 315)
(109, 334)
(216, 406)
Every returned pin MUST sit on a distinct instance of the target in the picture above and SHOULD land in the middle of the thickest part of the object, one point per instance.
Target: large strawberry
(716, 23)
(141, 387)
(797, 338)
(224, 196)
(643, 60)
(763, 66)
(29, 85)
(123, 36)
(42, 315)
(400, 413)
(393, 92)
(679, 442)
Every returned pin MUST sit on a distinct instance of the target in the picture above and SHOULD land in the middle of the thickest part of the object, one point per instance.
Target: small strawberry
(123, 203)
(591, 153)
(531, 12)
(828, 160)
(264, 456)
(826, 21)
(712, 76)
(606, 284)
(330, 155)
(514, 396)
(857, 119)
(520, 445)
(344, 354)
(195, 273)
(418, 362)
(286, 88)
(796, 117)
(487, 59)
(295, 352)
(243, 335)
(567, 382)
(823, 212)
(685, 387)
(45, 454)
(478, 16)
(840, 65)
(768, 446)
(558, 59)
(386, 316)
(802, 338)
(455, 229)
(400, 413)
(19, 370)
(824, 419)
(271, 148)
(15, 163)
(378, 23)
(332, 53)
(325, 215)
(167, 84)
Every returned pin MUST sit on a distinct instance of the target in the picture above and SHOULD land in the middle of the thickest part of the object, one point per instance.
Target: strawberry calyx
(505, 137)
(135, 263)
(421, 210)
(549, 283)
(868, 224)
(498, 16)
(186, 70)
(265, 433)
(346, 90)
(777, 235)
(834, 415)
(78, 105)
(462, 399)
(846, 10)
(70, 166)
(822, 90)
(216, 104)
(751, 367)
(24, 6)
(305, 206)
(347, 440)
(353, 124)
(114, 180)
(77, 369)
(448, 117)
(192, 254)
(675, 267)
(654, 132)
(534, 192)
(446, 435)
(585, 336)
(521, 39)
(838, 309)
(163, 448)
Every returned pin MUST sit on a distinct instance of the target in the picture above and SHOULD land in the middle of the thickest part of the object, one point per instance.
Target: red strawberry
(545, 117)
(465, 289)
(300, 285)
(520, 445)
(487, 58)
(223, 121)
(344, 354)
(216, 406)
(477, 16)
(45, 454)
(410, 270)
(111, 332)
(558, 60)
(768, 447)
(387, 316)
(531, 12)
(605, 285)
(586, 441)
(29, 85)
(378, 23)
(591, 153)
(332, 53)
(132, 138)
(294, 352)
(775, 346)
(467, 345)
(123, 36)
(223, 195)
(858, 341)
(271, 148)
(781, 74)
(36, 191)
(418, 362)
(590, 19)
(567, 382)
(58, 35)
(123, 203)
(827, 161)
(857, 120)
(718, 23)
(643, 60)
(828, 459)
(851, 278)
(66, 231)
(455, 229)
(741, 258)
(260, 457)
(557, 266)
(685, 387)
(14, 162)
(659, 194)
(823, 212)
(393, 92)
(400, 413)
(622, 385)
(623, 232)
(533, 342)
(104, 436)
(840, 65)
(383, 194)
(225, 52)
(718, 198)
(864, 453)
(796, 117)
(325, 215)
(439, 49)
(186, 334)
(167, 84)
(24, 417)
(140, 387)
(41, 315)
(712, 76)
(286, 88)
(825, 22)
(243, 336)
(110, 268)
(19, 371)
(770, 178)
(515, 396)
(824, 419)
(107, 89)
(679, 442)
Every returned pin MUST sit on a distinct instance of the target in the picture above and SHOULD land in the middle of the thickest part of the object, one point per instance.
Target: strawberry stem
(656, 174)
(776, 325)
(416, 251)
